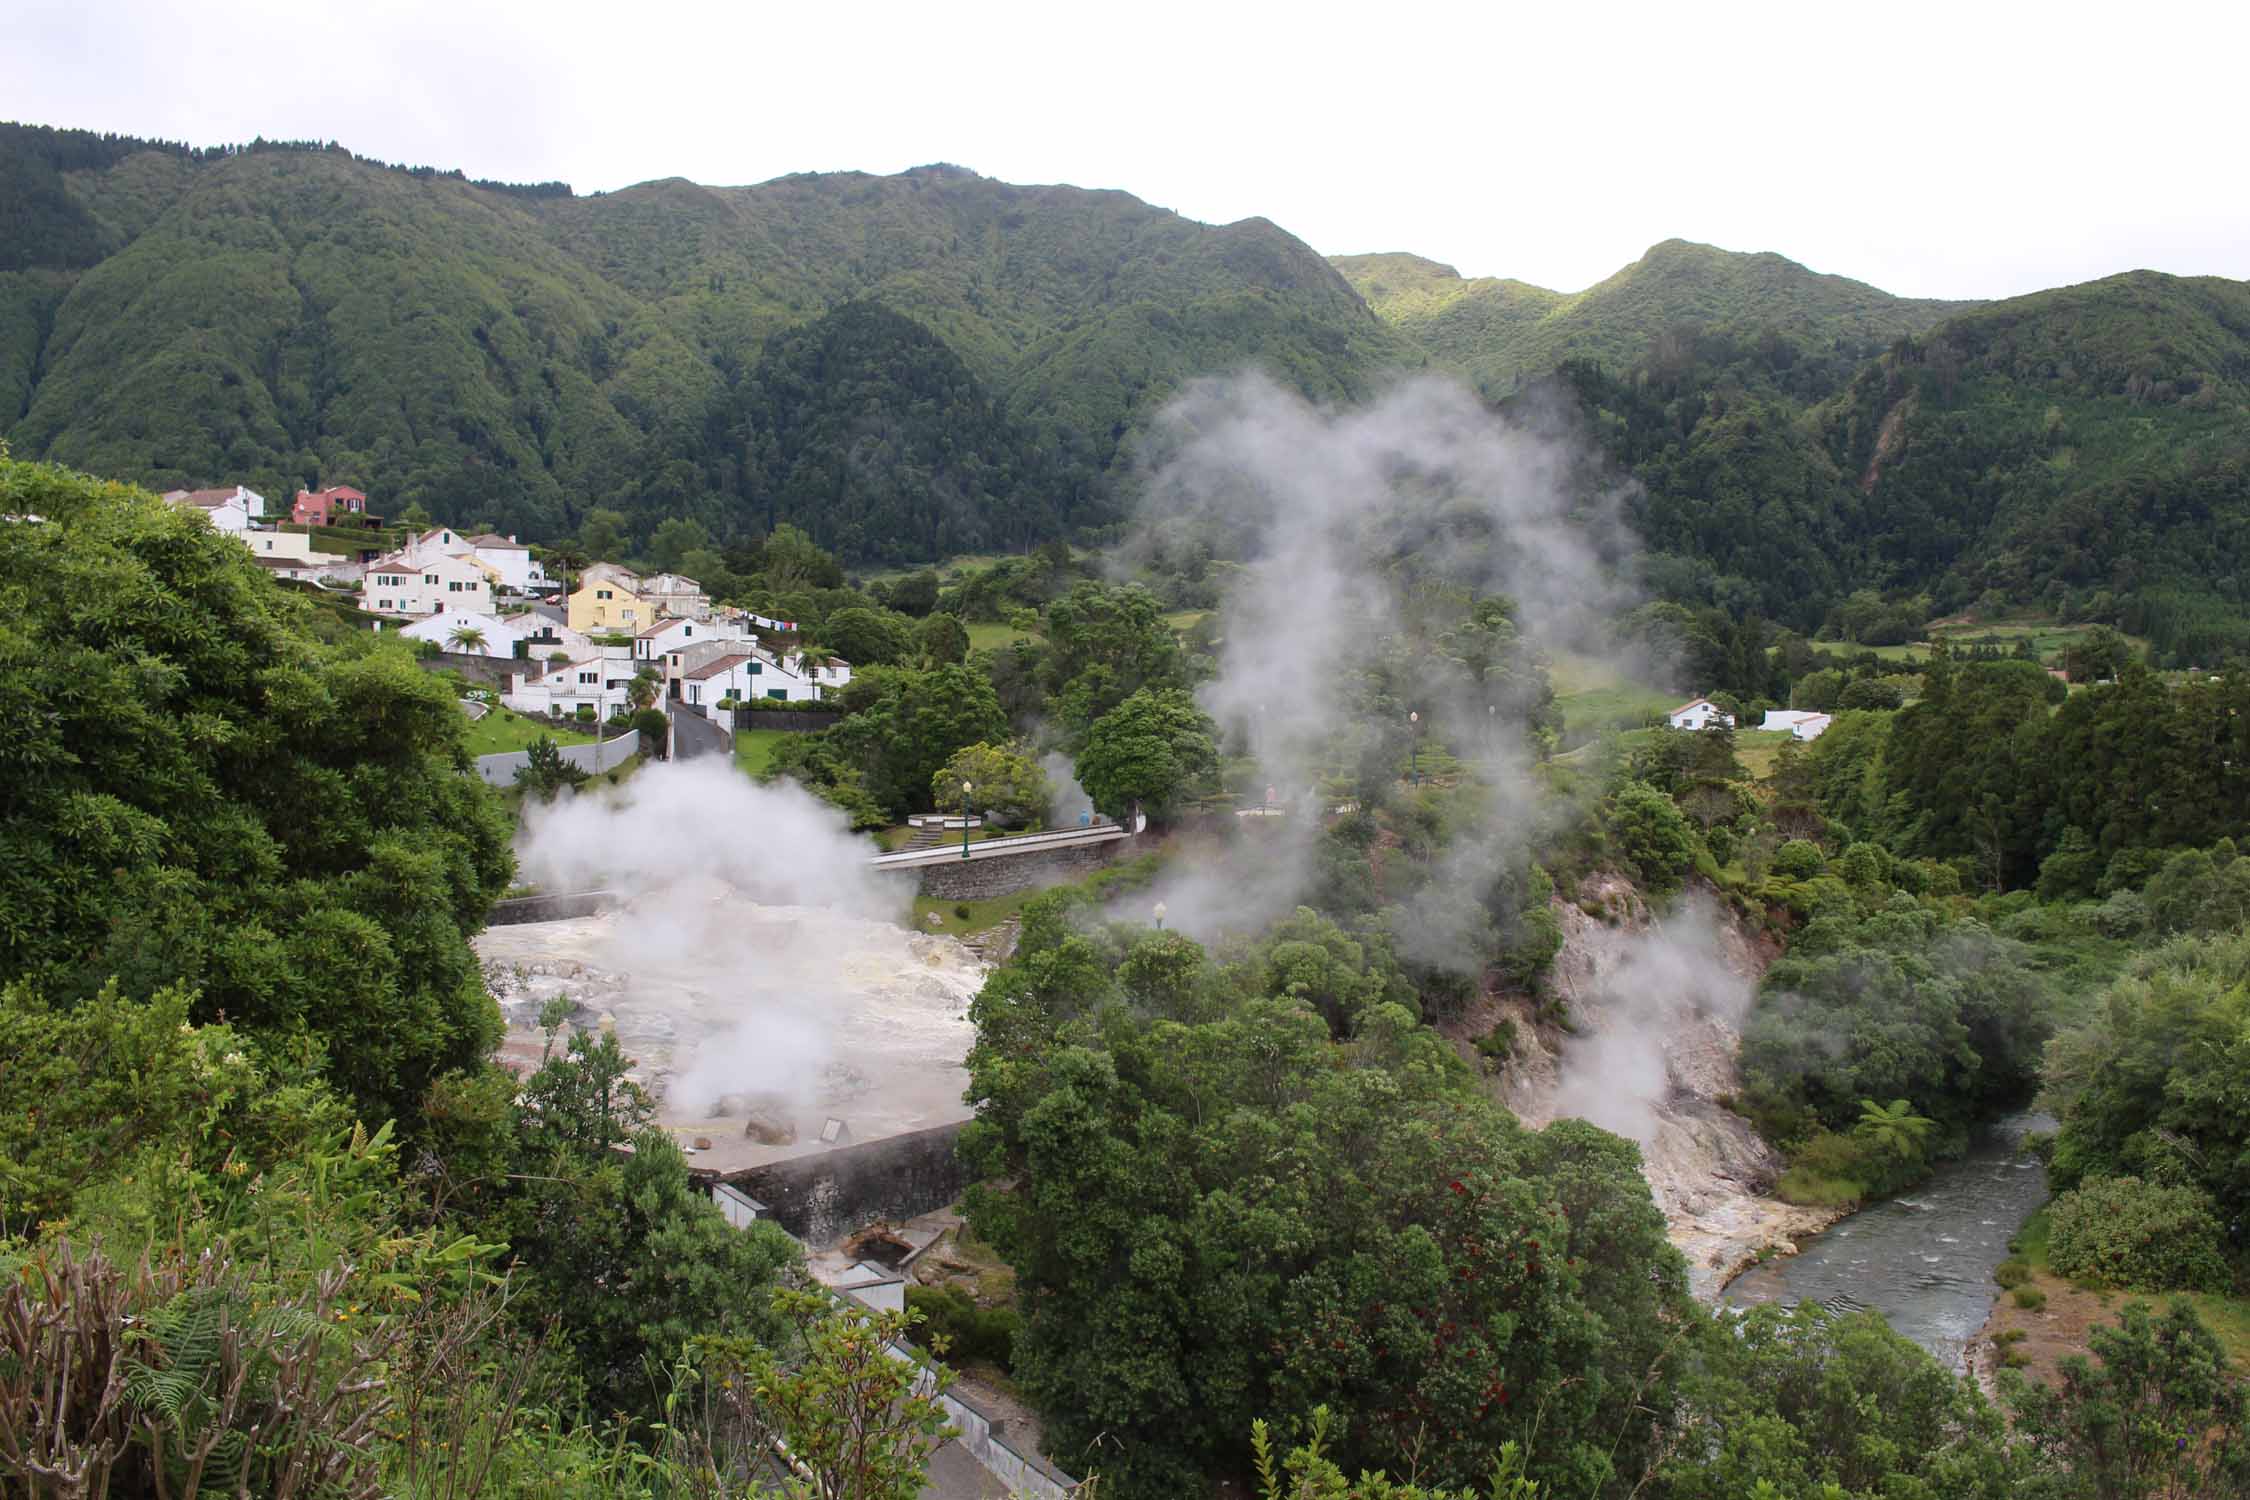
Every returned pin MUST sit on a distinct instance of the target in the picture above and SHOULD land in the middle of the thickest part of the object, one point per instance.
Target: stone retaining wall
(520, 909)
(833, 1192)
(795, 720)
(1004, 875)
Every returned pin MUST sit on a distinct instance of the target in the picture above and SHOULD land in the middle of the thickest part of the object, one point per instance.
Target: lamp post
(966, 788)
(1159, 916)
(1414, 740)
(1491, 728)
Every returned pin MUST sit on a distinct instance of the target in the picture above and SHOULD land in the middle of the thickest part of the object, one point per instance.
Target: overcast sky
(1967, 149)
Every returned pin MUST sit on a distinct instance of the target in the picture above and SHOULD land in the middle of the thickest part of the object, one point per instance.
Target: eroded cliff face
(1639, 1033)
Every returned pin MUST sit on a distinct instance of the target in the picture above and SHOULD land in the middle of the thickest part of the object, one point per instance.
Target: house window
(781, 693)
(756, 668)
(601, 593)
(429, 577)
(689, 632)
(694, 693)
(587, 677)
(453, 588)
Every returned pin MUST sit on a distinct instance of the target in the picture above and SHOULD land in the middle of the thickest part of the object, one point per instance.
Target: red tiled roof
(490, 539)
(1683, 708)
(714, 668)
(209, 498)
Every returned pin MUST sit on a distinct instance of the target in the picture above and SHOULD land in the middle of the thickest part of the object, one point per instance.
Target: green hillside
(1503, 333)
(2081, 453)
(291, 317)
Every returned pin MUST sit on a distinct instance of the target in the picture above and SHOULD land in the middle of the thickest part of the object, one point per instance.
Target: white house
(676, 595)
(229, 509)
(548, 635)
(702, 674)
(666, 636)
(402, 585)
(1803, 723)
(288, 567)
(1698, 713)
(512, 560)
(499, 637)
(602, 682)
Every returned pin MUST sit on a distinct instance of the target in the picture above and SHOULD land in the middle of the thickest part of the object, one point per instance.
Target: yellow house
(608, 599)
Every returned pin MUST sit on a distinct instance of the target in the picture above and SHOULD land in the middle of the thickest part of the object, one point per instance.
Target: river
(1923, 1260)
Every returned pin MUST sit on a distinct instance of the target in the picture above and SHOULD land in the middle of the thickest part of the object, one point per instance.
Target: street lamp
(1491, 727)
(1159, 916)
(966, 788)
(1414, 739)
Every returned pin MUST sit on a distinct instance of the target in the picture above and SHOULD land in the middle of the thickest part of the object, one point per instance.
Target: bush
(2011, 1273)
(1799, 859)
(2029, 1298)
(2007, 1336)
(972, 1334)
(1498, 1044)
(1829, 1170)
(2129, 1233)
(961, 910)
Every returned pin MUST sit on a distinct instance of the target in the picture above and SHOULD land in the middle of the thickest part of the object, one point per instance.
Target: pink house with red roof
(321, 507)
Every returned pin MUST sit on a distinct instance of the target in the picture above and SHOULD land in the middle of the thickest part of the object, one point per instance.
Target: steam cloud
(1326, 506)
(760, 952)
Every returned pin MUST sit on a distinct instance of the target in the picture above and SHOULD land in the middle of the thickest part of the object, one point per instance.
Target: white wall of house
(512, 562)
(1701, 714)
(601, 682)
(499, 637)
(759, 677)
(296, 546)
(231, 517)
(1804, 723)
(397, 585)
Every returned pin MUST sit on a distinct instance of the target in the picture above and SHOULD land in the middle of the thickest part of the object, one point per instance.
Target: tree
(1894, 1129)
(915, 594)
(868, 637)
(1650, 835)
(2161, 1416)
(466, 638)
(1010, 786)
(545, 772)
(673, 539)
(942, 639)
(1156, 749)
(902, 725)
(602, 535)
(1104, 644)
(170, 721)
(642, 691)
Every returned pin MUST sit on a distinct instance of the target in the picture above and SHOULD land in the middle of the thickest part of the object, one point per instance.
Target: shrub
(2130, 1233)
(2007, 1336)
(2011, 1273)
(1498, 1044)
(1830, 1169)
(2029, 1298)
(2015, 1359)
(961, 910)
(1799, 859)
(972, 1334)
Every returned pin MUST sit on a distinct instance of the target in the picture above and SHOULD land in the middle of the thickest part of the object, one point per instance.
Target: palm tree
(641, 692)
(466, 638)
(1893, 1129)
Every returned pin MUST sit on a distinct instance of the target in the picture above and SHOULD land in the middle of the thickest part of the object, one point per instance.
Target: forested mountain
(1503, 333)
(297, 315)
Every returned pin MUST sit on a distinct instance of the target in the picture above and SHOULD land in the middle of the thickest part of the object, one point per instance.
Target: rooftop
(718, 666)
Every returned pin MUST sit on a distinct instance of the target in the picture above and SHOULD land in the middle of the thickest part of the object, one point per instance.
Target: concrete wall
(694, 736)
(485, 671)
(977, 879)
(796, 720)
(519, 909)
(819, 1197)
(1024, 1474)
(500, 770)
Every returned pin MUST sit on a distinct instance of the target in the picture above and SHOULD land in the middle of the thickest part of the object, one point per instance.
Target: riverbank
(1923, 1260)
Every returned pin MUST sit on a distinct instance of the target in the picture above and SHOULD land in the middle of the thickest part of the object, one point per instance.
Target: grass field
(1184, 619)
(2059, 1328)
(1756, 749)
(2048, 638)
(753, 748)
(503, 729)
(1594, 695)
(985, 635)
(982, 915)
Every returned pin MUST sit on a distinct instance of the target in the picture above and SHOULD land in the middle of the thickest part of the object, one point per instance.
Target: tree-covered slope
(1502, 333)
(517, 357)
(2084, 452)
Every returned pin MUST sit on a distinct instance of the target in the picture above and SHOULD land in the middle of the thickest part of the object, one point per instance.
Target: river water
(1923, 1260)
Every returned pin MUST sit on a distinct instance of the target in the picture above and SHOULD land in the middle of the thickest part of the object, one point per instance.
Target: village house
(322, 507)
(676, 596)
(398, 585)
(666, 636)
(701, 673)
(519, 571)
(1699, 713)
(544, 636)
(1803, 723)
(230, 508)
(602, 683)
(608, 600)
(289, 567)
(490, 636)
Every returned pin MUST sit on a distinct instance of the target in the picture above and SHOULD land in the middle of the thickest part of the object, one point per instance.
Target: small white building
(603, 683)
(402, 585)
(676, 596)
(512, 560)
(1699, 713)
(230, 508)
(499, 637)
(702, 675)
(546, 636)
(1803, 723)
(666, 636)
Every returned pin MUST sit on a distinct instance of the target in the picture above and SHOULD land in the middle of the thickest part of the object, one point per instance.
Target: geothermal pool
(753, 1024)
